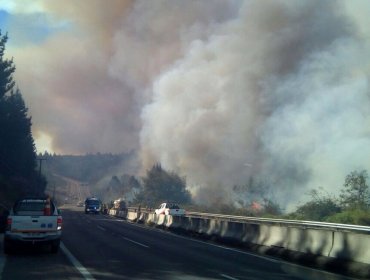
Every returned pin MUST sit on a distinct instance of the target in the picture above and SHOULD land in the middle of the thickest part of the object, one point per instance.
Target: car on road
(33, 220)
(168, 208)
(92, 205)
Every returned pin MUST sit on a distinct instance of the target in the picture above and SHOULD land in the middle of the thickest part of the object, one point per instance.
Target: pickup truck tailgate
(34, 223)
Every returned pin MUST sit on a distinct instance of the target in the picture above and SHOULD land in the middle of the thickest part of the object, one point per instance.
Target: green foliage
(7, 69)
(17, 150)
(114, 183)
(353, 216)
(130, 182)
(352, 207)
(355, 193)
(160, 185)
(93, 169)
(124, 187)
(17, 143)
(319, 208)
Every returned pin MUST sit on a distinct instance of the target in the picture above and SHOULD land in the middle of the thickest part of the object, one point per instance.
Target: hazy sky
(215, 90)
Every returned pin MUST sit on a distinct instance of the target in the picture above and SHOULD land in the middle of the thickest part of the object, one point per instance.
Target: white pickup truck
(33, 221)
(170, 209)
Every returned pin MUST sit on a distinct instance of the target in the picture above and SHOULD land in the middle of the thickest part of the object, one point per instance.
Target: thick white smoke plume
(280, 93)
(217, 91)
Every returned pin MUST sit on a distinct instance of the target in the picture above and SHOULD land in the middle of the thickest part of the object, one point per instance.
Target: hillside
(92, 170)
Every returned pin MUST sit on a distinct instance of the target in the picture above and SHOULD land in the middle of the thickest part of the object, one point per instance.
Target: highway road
(103, 247)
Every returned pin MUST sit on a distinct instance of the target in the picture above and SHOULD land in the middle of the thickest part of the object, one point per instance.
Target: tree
(319, 208)
(114, 183)
(355, 192)
(351, 216)
(17, 149)
(160, 185)
(19, 146)
(7, 69)
(130, 184)
(6, 85)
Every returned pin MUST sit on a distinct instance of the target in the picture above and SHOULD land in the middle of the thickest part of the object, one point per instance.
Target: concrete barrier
(331, 243)
(350, 246)
(112, 212)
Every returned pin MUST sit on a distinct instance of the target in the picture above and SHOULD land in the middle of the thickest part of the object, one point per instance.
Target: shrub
(354, 216)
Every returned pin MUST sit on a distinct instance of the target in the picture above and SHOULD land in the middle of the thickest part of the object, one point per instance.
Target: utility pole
(40, 159)
(40, 164)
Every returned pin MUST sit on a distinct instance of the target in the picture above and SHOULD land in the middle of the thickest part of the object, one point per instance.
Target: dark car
(92, 205)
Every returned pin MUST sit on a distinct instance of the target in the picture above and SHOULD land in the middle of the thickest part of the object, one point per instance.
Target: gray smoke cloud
(87, 82)
(217, 91)
(279, 93)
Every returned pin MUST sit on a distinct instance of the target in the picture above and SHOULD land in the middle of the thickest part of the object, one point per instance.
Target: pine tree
(356, 192)
(7, 69)
(6, 85)
(20, 146)
(160, 185)
(18, 174)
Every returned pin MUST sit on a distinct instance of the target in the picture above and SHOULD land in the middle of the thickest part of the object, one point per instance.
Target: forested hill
(88, 168)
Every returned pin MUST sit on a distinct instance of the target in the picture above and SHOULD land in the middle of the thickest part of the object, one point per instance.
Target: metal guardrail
(277, 222)
(282, 222)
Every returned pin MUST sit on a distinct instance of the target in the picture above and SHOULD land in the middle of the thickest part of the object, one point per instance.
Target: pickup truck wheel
(8, 247)
(55, 246)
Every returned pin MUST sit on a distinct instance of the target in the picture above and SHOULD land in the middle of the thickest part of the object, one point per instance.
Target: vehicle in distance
(80, 204)
(33, 221)
(121, 206)
(92, 205)
(170, 209)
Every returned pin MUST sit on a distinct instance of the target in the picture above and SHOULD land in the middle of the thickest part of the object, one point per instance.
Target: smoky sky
(217, 91)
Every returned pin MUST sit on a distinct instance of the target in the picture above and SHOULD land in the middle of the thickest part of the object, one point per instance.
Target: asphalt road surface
(103, 247)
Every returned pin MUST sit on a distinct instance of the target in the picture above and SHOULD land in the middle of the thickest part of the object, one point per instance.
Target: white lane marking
(209, 244)
(228, 277)
(110, 220)
(205, 243)
(85, 273)
(137, 243)
(250, 254)
(271, 259)
(238, 251)
(100, 227)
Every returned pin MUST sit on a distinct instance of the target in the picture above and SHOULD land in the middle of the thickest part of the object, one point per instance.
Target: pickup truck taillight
(9, 224)
(59, 223)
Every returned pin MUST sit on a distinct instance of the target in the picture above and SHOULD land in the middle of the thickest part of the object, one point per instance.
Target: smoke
(64, 77)
(217, 91)
(279, 93)
(87, 79)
